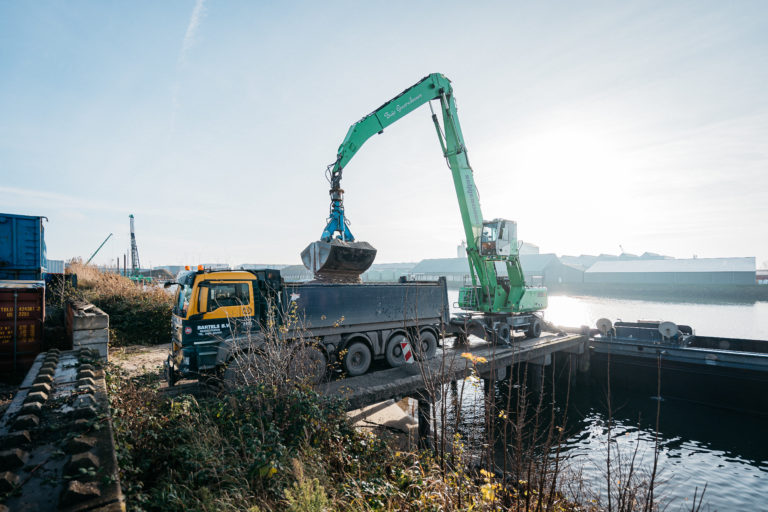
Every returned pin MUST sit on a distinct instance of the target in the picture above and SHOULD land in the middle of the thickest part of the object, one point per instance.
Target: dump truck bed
(324, 307)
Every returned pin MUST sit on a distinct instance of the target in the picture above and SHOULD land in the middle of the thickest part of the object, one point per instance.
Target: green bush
(136, 319)
(138, 315)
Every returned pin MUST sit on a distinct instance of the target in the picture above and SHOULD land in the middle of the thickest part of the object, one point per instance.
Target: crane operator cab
(499, 238)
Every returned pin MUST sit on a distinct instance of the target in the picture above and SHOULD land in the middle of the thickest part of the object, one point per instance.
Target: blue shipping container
(22, 247)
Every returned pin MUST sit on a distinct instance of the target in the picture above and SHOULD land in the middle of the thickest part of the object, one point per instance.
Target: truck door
(226, 300)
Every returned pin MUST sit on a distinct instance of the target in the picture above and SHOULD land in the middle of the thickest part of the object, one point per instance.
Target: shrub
(137, 314)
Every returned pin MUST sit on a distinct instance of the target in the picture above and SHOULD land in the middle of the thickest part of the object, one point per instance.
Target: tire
(534, 329)
(238, 371)
(357, 360)
(393, 352)
(427, 345)
(308, 363)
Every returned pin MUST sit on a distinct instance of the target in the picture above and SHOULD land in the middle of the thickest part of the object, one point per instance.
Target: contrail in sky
(189, 36)
(186, 46)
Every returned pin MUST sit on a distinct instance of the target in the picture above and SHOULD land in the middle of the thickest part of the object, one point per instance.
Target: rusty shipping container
(22, 311)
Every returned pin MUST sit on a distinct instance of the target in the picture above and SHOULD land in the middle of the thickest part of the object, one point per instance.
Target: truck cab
(212, 309)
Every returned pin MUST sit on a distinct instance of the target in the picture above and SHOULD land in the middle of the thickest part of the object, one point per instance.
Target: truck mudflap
(171, 375)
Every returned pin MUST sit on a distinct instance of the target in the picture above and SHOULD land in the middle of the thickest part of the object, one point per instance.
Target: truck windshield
(182, 300)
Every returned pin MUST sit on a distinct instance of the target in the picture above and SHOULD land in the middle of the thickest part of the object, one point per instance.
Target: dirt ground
(139, 359)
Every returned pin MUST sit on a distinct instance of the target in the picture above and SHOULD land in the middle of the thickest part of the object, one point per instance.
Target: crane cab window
(489, 237)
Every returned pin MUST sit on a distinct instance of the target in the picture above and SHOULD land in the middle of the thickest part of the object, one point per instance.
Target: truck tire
(427, 345)
(357, 360)
(394, 352)
(308, 363)
(534, 328)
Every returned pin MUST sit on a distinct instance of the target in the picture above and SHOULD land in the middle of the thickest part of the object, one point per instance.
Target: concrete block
(8, 481)
(95, 342)
(89, 337)
(16, 439)
(43, 378)
(32, 408)
(84, 400)
(85, 460)
(46, 371)
(81, 425)
(77, 492)
(86, 388)
(82, 316)
(42, 387)
(86, 373)
(13, 458)
(37, 396)
(85, 412)
(80, 444)
(26, 421)
(86, 381)
(47, 365)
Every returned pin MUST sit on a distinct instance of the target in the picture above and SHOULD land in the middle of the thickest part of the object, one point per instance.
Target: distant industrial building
(716, 271)
(525, 248)
(538, 269)
(387, 272)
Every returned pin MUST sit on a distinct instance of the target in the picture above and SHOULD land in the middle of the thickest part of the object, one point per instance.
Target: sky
(597, 126)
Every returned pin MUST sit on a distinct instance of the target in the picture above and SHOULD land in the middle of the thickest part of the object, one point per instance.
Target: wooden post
(536, 373)
(584, 362)
(425, 421)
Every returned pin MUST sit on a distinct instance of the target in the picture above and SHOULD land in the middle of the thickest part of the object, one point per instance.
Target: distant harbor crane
(135, 266)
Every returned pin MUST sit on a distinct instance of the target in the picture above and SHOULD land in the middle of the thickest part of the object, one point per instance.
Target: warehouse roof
(682, 265)
(529, 262)
(442, 265)
(537, 262)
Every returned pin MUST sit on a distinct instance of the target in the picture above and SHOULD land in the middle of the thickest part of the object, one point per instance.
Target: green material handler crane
(498, 299)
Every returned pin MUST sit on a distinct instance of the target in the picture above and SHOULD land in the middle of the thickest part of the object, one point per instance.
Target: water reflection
(726, 451)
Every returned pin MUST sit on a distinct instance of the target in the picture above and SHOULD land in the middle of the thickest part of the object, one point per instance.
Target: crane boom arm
(434, 86)
(489, 293)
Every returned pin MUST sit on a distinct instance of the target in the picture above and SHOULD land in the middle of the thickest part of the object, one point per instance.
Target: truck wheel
(394, 352)
(308, 363)
(534, 329)
(170, 373)
(357, 360)
(427, 345)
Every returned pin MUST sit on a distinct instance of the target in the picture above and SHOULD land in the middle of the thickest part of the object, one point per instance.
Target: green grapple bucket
(338, 261)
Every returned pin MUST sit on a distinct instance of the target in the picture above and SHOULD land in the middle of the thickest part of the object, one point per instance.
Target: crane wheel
(534, 329)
